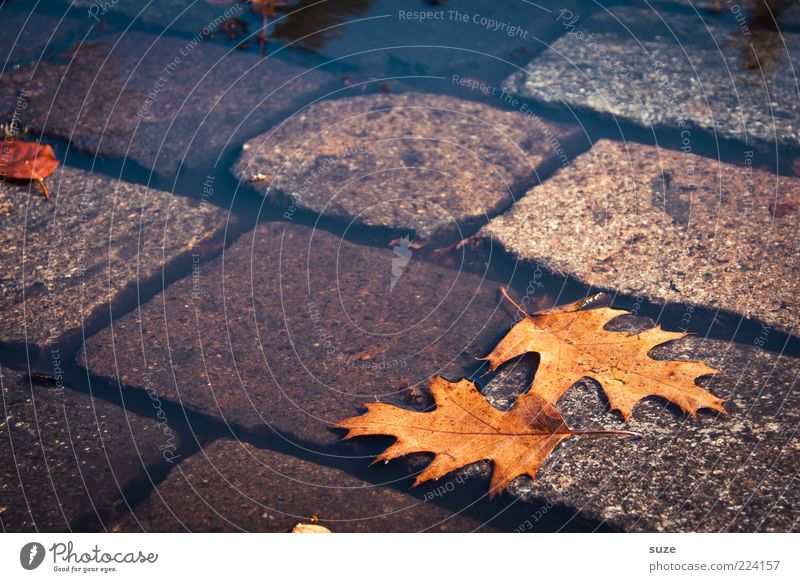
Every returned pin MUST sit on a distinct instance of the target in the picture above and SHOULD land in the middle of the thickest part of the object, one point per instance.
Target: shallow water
(349, 40)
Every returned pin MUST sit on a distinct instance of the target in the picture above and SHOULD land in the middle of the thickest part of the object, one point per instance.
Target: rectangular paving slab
(233, 486)
(669, 226)
(69, 459)
(160, 101)
(709, 474)
(673, 70)
(430, 167)
(68, 262)
(293, 329)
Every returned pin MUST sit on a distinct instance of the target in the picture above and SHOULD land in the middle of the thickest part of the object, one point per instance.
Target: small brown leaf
(28, 161)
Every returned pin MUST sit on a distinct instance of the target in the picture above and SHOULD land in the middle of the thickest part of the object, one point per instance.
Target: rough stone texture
(711, 474)
(30, 37)
(99, 98)
(419, 39)
(67, 458)
(674, 73)
(671, 226)
(293, 330)
(427, 165)
(233, 486)
(66, 262)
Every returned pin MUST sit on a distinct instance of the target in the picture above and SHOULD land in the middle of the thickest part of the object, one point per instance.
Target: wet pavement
(679, 72)
(251, 236)
(159, 101)
(428, 167)
(68, 263)
(233, 486)
(68, 458)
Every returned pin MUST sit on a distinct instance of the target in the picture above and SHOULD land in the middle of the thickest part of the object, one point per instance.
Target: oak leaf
(464, 428)
(572, 344)
(22, 160)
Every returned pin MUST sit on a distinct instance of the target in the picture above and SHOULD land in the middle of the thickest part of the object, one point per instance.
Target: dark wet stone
(29, 37)
(69, 460)
(474, 38)
(683, 72)
(160, 101)
(712, 474)
(423, 165)
(233, 486)
(167, 15)
(69, 261)
(668, 226)
(299, 331)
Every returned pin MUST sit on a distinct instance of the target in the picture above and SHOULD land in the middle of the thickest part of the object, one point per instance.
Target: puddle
(345, 39)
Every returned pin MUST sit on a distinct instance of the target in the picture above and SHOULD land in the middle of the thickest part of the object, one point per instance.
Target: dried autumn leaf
(572, 344)
(464, 428)
(28, 161)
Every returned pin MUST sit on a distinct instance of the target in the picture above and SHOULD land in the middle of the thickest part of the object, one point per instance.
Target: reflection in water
(758, 40)
(309, 20)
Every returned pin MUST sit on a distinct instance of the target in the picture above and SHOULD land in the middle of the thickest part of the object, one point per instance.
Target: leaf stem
(44, 188)
(514, 303)
(605, 432)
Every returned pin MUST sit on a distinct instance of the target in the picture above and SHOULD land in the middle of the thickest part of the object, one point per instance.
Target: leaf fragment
(28, 161)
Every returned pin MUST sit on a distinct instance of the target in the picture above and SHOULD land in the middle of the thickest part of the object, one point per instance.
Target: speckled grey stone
(670, 226)
(29, 37)
(67, 459)
(160, 101)
(65, 263)
(679, 73)
(233, 486)
(293, 329)
(712, 474)
(430, 166)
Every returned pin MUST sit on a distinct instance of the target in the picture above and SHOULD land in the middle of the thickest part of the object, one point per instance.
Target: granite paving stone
(673, 70)
(293, 329)
(669, 226)
(427, 166)
(233, 486)
(68, 261)
(159, 101)
(68, 459)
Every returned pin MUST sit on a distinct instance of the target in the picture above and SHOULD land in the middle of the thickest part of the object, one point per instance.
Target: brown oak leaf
(464, 428)
(22, 160)
(572, 344)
